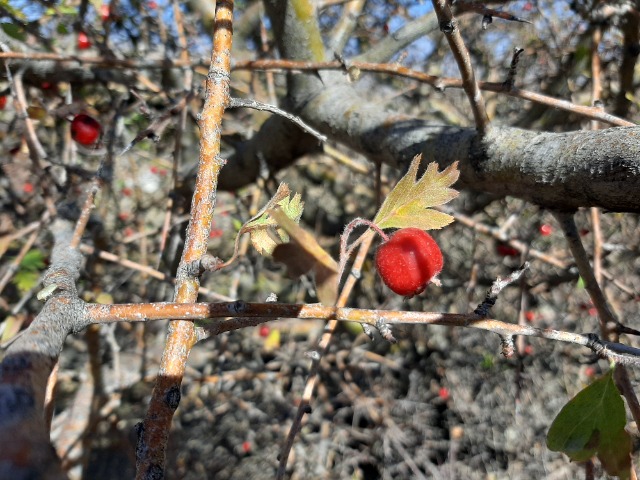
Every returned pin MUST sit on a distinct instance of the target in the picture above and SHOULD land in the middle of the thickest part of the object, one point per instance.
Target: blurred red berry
(126, 191)
(85, 129)
(443, 393)
(528, 350)
(505, 250)
(545, 229)
(154, 169)
(530, 315)
(83, 41)
(124, 216)
(3, 102)
(590, 372)
(264, 331)
(152, 4)
(527, 7)
(27, 187)
(104, 12)
(128, 231)
(246, 447)
(593, 311)
(216, 233)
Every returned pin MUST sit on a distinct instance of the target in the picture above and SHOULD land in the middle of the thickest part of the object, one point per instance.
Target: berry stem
(347, 249)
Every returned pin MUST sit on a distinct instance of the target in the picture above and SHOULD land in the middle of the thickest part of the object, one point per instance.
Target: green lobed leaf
(592, 423)
(408, 204)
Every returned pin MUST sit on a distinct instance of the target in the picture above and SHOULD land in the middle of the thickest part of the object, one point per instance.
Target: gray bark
(555, 170)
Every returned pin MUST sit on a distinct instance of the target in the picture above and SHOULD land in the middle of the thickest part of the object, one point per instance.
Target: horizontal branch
(441, 83)
(230, 316)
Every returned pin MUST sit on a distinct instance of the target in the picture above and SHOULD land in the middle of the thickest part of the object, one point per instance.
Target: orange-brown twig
(153, 434)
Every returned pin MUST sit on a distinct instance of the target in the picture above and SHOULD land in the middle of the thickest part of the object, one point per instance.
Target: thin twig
(498, 285)
(220, 316)
(513, 68)
(437, 82)
(244, 103)
(323, 346)
(608, 321)
(449, 26)
(594, 113)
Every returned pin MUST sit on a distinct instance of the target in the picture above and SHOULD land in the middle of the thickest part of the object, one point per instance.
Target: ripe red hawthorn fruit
(85, 129)
(83, 41)
(408, 261)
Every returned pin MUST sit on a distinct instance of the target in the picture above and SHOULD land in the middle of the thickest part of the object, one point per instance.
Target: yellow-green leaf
(264, 230)
(408, 204)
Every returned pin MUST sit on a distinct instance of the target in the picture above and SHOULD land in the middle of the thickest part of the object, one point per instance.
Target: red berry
(443, 393)
(545, 229)
(408, 261)
(528, 350)
(264, 331)
(85, 129)
(246, 447)
(27, 187)
(126, 191)
(3, 102)
(104, 12)
(505, 250)
(83, 41)
(152, 4)
(593, 311)
(530, 316)
(590, 372)
(216, 233)
(155, 170)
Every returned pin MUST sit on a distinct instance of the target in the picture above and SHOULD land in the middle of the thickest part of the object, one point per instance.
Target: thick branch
(559, 170)
(25, 449)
